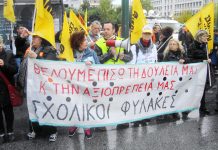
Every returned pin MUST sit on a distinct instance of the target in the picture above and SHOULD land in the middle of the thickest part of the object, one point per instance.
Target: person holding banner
(111, 55)
(82, 53)
(144, 51)
(8, 68)
(94, 33)
(198, 52)
(175, 52)
(41, 49)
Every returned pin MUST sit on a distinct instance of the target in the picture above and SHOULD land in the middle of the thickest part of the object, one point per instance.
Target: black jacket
(175, 56)
(9, 70)
(161, 47)
(21, 45)
(48, 53)
(197, 52)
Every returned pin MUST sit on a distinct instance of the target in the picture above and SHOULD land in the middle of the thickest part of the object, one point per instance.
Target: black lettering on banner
(151, 104)
(34, 104)
(108, 111)
(98, 112)
(163, 106)
(88, 109)
(125, 107)
(48, 110)
(142, 106)
(135, 105)
(58, 112)
(77, 112)
(83, 112)
(173, 100)
(157, 103)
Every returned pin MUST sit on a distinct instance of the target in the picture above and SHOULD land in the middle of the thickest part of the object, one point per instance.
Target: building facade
(24, 11)
(77, 3)
(169, 8)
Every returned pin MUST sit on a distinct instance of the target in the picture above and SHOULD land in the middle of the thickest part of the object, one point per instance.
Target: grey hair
(96, 22)
(199, 34)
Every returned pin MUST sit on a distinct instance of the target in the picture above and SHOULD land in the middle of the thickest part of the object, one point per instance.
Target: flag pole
(208, 65)
(12, 40)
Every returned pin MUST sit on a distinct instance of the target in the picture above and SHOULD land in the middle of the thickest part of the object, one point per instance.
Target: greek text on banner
(66, 94)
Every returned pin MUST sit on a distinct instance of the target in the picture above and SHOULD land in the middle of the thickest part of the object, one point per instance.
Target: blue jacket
(88, 55)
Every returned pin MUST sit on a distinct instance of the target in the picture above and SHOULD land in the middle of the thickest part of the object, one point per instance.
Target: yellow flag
(86, 18)
(9, 10)
(203, 20)
(66, 50)
(75, 24)
(138, 21)
(44, 23)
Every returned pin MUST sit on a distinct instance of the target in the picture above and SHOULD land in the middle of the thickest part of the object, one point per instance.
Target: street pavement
(196, 133)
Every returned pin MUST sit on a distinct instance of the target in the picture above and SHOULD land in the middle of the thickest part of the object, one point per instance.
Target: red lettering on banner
(166, 70)
(166, 85)
(121, 72)
(172, 85)
(175, 71)
(65, 89)
(162, 71)
(56, 87)
(42, 87)
(81, 75)
(121, 90)
(150, 72)
(127, 89)
(90, 74)
(75, 89)
(63, 73)
(86, 92)
(71, 73)
(36, 69)
(113, 73)
(54, 73)
(44, 70)
(185, 69)
(144, 73)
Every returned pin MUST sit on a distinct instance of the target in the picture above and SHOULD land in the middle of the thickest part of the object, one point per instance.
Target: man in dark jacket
(8, 68)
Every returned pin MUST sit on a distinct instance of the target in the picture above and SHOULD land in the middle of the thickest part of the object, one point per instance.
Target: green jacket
(104, 53)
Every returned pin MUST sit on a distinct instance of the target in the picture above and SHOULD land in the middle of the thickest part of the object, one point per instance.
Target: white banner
(66, 94)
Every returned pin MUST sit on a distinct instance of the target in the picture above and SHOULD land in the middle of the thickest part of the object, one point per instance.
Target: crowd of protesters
(155, 45)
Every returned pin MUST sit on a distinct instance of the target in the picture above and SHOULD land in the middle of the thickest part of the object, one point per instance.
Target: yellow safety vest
(102, 44)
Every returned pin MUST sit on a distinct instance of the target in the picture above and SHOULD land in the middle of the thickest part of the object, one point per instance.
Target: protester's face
(36, 41)
(161, 37)
(146, 36)
(19, 30)
(203, 38)
(83, 45)
(157, 28)
(95, 29)
(173, 46)
(108, 30)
